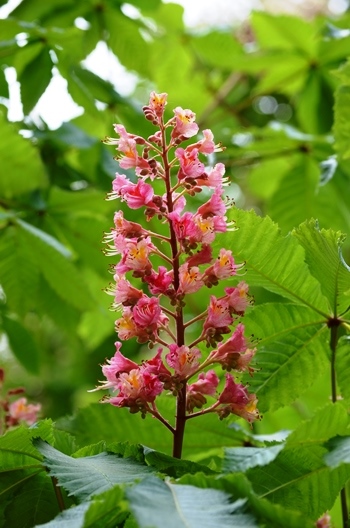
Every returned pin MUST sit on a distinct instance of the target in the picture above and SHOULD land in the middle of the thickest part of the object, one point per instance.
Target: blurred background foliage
(274, 89)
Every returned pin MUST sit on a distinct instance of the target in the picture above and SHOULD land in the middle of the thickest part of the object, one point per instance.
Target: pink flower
(235, 399)
(125, 293)
(206, 145)
(324, 522)
(126, 228)
(147, 312)
(135, 256)
(223, 267)
(215, 206)
(234, 354)
(137, 194)
(238, 298)
(125, 326)
(184, 123)
(157, 103)
(189, 163)
(206, 385)
(21, 411)
(184, 226)
(190, 279)
(215, 178)
(218, 314)
(203, 256)
(156, 366)
(115, 366)
(159, 283)
(127, 145)
(183, 360)
(137, 388)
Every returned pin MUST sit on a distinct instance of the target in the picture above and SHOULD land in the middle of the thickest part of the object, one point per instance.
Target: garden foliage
(276, 94)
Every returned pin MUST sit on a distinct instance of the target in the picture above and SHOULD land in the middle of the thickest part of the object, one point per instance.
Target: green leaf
(328, 421)
(32, 500)
(242, 458)
(341, 128)
(339, 451)
(156, 503)
(16, 278)
(238, 486)
(205, 435)
(172, 466)
(22, 169)
(342, 366)
(22, 344)
(35, 78)
(84, 477)
(16, 449)
(106, 510)
(324, 258)
(292, 339)
(298, 479)
(52, 258)
(277, 264)
(285, 32)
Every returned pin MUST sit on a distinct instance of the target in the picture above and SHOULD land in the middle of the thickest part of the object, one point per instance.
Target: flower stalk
(179, 367)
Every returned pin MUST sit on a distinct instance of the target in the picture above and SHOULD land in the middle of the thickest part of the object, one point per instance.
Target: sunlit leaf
(158, 503)
(84, 477)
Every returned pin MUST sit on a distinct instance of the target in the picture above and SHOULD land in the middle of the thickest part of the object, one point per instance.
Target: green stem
(334, 325)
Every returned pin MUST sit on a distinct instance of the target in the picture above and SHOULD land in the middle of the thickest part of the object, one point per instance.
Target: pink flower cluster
(154, 312)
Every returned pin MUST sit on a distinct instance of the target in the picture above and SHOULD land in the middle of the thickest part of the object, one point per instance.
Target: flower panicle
(152, 298)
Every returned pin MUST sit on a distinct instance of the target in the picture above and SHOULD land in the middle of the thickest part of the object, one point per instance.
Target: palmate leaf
(323, 255)
(156, 503)
(277, 264)
(84, 477)
(292, 339)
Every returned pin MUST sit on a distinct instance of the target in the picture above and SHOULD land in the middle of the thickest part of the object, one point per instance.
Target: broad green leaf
(35, 78)
(339, 451)
(286, 32)
(324, 258)
(172, 466)
(22, 169)
(32, 500)
(298, 479)
(84, 477)
(341, 128)
(127, 43)
(238, 486)
(106, 510)
(156, 503)
(207, 46)
(242, 458)
(315, 103)
(292, 339)
(294, 200)
(342, 366)
(16, 278)
(52, 258)
(328, 421)
(277, 264)
(16, 449)
(22, 344)
(205, 434)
